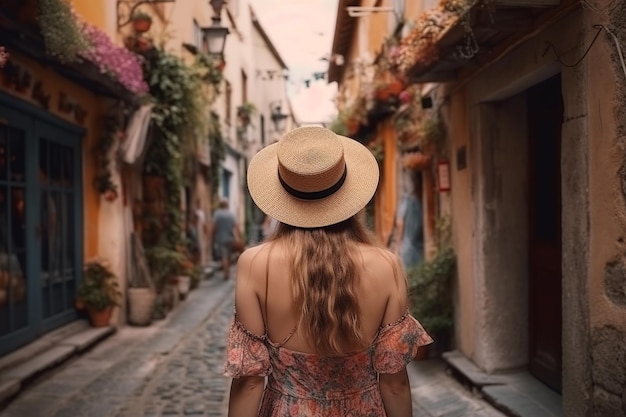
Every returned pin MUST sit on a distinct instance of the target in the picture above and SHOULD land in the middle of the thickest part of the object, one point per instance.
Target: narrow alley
(173, 368)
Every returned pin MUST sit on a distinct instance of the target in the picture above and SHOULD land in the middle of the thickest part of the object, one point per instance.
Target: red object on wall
(443, 176)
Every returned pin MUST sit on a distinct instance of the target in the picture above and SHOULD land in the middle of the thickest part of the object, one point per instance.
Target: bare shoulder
(380, 263)
(252, 261)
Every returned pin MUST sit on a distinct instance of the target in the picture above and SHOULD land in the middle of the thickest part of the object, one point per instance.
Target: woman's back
(267, 337)
(380, 290)
(321, 325)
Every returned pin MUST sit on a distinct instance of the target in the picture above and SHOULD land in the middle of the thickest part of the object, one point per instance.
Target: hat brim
(358, 189)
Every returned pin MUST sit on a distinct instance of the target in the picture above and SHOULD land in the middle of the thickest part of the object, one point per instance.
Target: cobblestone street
(173, 368)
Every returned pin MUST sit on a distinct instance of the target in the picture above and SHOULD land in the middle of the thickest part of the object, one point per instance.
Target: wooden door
(545, 116)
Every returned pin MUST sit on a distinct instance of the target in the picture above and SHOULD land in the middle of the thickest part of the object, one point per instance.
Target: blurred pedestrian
(321, 310)
(409, 243)
(224, 234)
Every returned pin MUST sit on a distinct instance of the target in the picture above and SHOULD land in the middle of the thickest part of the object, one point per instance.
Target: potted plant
(98, 293)
(245, 111)
(141, 21)
(164, 264)
(141, 292)
(430, 289)
(432, 133)
(416, 161)
(185, 270)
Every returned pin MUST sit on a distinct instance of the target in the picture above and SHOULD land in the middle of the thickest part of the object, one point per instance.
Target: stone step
(43, 355)
(515, 393)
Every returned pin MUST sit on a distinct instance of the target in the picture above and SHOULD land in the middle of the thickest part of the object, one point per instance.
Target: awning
(28, 41)
(477, 38)
(345, 25)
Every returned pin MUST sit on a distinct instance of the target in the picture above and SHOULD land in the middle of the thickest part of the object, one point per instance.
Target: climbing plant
(176, 116)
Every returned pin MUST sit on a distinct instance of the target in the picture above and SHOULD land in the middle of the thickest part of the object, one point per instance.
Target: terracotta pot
(416, 161)
(100, 318)
(141, 25)
(395, 87)
(383, 93)
(110, 195)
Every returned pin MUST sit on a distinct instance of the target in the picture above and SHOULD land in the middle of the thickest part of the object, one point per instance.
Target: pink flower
(116, 61)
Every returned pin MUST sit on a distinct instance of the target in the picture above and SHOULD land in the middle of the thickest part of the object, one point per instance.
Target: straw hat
(312, 178)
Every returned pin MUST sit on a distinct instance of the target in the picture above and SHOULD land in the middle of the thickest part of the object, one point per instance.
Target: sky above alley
(302, 32)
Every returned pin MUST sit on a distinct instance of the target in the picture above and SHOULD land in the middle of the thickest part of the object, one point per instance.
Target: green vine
(111, 127)
(61, 32)
(430, 283)
(174, 88)
(217, 152)
(209, 71)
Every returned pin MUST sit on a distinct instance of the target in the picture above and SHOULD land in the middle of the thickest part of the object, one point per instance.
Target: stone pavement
(437, 394)
(173, 368)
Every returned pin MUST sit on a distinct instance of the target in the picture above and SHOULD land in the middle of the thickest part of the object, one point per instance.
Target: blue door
(40, 222)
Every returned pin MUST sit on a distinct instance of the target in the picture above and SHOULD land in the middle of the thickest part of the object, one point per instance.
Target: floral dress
(306, 384)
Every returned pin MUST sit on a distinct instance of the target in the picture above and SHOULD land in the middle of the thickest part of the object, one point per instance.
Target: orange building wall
(54, 84)
(462, 218)
(94, 12)
(379, 29)
(387, 194)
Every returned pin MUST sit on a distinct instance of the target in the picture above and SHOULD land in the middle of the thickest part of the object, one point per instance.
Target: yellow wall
(53, 84)
(92, 11)
(387, 195)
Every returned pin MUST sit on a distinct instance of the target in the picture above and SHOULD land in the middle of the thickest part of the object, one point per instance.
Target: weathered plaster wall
(575, 218)
(502, 287)
(462, 211)
(500, 254)
(607, 175)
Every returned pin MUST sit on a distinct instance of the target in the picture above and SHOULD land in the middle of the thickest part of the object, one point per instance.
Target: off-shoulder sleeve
(397, 344)
(246, 353)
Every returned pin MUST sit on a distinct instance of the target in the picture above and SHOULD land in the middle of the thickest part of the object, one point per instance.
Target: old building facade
(56, 117)
(531, 96)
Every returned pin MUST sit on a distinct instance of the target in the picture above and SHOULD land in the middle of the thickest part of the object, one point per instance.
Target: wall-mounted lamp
(278, 117)
(214, 36)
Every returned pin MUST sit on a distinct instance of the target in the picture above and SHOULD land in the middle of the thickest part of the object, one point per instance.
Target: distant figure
(224, 232)
(321, 325)
(202, 227)
(409, 224)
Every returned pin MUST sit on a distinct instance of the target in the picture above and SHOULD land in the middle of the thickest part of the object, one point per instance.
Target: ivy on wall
(180, 116)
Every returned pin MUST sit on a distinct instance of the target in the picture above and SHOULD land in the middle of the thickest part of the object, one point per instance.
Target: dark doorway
(40, 222)
(545, 116)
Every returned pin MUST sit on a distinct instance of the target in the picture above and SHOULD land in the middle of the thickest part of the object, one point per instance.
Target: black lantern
(278, 117)
(214, 36)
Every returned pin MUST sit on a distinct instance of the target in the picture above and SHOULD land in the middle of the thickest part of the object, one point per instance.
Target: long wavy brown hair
(325, 280)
